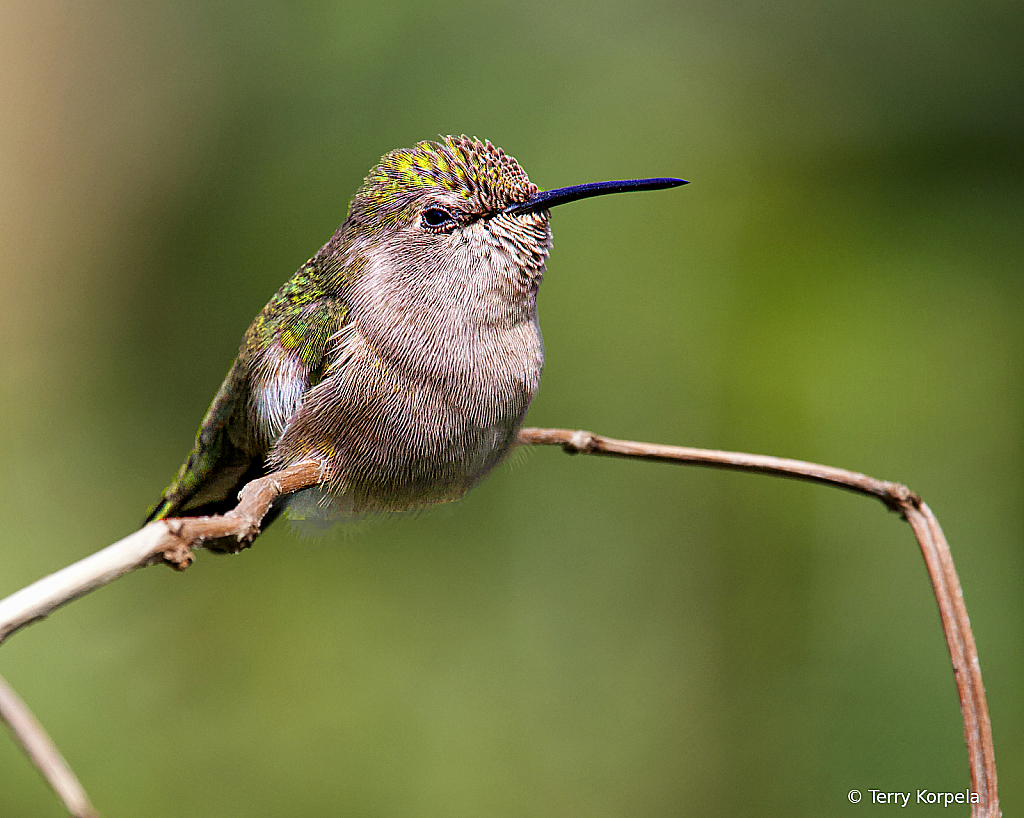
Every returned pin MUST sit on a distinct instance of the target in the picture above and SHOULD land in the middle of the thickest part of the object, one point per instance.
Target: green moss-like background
(843, 282)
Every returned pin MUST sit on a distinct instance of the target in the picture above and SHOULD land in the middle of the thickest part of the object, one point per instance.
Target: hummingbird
(403, 356)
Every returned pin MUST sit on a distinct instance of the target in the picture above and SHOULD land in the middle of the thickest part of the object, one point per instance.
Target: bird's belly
(431, 444)
(392, 440)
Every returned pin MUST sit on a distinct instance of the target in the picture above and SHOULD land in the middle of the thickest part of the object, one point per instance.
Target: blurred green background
(842, 282)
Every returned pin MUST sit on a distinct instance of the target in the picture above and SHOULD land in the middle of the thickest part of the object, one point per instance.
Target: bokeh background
(842, 283)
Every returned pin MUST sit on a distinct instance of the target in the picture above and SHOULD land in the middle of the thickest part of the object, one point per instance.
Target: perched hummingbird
(403, 356)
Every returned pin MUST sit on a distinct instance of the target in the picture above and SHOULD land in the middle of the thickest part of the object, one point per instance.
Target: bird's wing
(282, 357)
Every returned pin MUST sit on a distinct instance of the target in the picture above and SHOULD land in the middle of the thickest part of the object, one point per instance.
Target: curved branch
(171, 542)
(937, 557)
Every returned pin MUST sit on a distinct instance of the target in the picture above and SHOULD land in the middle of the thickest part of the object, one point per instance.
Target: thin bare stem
(166, 541)
(39, 747)
(937, 557)
(172, 541)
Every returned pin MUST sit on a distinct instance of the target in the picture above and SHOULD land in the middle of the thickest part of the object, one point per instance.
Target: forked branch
(172, 541)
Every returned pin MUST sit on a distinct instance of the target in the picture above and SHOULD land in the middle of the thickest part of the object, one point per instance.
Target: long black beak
(550, 198)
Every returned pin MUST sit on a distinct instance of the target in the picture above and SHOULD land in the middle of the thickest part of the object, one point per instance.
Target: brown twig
(167, 541)
(172, 541)
(937, 557)
(242, 523)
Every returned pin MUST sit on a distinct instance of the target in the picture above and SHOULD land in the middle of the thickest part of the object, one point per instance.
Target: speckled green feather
(476, 170)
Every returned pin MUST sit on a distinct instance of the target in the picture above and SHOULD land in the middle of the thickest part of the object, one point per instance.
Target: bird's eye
(437, 218)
